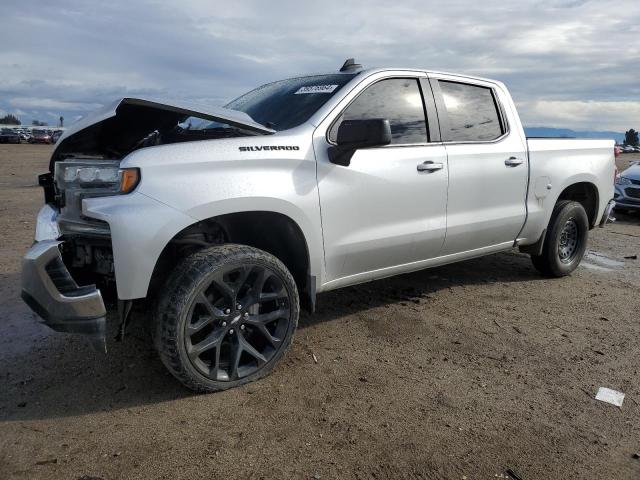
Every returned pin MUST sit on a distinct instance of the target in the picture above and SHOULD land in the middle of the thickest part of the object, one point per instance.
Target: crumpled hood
(117, 128)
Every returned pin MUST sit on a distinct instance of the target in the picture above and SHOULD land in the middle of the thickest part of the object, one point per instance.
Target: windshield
(288, 103)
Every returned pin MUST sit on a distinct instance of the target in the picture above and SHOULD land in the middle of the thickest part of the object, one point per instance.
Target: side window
(472, 111)
(398, 100)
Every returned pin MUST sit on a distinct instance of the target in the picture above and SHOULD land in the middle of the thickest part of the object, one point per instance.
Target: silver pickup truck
(223, 222)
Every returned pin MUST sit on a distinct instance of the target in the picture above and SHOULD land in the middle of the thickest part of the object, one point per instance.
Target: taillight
(616, 152)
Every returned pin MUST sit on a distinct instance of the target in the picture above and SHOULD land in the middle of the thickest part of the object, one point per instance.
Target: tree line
(11, 119)
(631, 138)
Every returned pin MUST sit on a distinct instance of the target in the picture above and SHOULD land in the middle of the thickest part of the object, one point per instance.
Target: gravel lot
(456, 372)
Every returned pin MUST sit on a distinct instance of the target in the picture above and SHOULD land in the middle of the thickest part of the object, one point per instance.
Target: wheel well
(586, 194)
(272, 232)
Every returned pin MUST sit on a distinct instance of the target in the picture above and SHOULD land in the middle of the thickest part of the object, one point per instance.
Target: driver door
(384, 211)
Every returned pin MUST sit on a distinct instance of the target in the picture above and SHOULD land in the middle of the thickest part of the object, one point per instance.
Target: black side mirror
(356, 134)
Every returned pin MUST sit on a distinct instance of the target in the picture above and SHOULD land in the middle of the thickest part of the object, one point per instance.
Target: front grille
(635, 182)
(632, 192)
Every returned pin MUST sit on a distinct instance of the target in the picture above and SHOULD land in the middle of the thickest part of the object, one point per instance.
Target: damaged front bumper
(51, 292)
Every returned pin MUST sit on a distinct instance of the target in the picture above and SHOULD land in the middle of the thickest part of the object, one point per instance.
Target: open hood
(117, 129)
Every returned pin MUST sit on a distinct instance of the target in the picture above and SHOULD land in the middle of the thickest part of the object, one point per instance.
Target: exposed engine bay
(132, 123)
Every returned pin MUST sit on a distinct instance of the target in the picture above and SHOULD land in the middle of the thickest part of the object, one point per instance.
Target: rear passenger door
(488, 171)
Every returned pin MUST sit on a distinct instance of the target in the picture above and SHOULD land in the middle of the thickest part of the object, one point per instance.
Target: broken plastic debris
(610, 396)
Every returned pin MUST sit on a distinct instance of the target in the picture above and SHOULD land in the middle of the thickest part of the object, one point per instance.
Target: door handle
(430, 166)
(513, 162)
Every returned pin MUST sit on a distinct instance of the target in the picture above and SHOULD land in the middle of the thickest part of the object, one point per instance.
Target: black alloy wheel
(227, 317)
(237, 322)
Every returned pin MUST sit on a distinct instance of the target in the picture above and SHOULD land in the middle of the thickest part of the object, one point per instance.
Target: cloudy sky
(569, 63)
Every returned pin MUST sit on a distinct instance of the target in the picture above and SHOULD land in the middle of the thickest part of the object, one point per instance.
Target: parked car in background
(7, 135)
(628, 149)
(25, 135)
(627, 188)
(40, 136)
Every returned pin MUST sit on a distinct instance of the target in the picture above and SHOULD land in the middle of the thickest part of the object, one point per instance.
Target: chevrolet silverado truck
(222, 223)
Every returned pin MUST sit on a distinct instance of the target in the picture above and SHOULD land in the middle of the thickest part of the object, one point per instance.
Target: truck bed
(554, 164)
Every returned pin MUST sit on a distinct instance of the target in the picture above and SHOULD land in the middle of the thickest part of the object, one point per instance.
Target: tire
(205, 337)
(565, 242)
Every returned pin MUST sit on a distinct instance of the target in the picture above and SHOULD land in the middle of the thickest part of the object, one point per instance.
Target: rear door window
(396, 99)
(472, 112)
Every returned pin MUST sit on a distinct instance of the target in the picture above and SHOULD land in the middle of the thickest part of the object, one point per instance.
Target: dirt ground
(457, 372)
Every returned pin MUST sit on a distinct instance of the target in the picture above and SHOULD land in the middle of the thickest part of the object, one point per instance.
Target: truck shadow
(48, 375)
(418, 286)
(626, 217)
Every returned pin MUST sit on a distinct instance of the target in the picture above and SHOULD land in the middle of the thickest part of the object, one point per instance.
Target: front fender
(218, 177)
(140, 229)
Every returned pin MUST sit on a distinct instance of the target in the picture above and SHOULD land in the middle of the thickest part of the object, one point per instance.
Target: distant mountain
(565, 132)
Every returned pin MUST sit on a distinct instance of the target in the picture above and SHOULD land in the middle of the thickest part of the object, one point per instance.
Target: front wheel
(226, 317)
(565, 242)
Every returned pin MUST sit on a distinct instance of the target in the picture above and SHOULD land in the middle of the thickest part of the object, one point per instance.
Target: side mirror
(356, 134)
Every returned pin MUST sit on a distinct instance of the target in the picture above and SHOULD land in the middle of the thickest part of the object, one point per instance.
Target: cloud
(589, 115)
(545, 51)
(42, 103)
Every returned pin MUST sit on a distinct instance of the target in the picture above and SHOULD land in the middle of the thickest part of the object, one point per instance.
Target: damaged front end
(51, 292)
(72, 249)
(68, 274)
(72, 253)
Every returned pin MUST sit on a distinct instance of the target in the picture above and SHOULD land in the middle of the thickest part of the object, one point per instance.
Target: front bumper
(51, 292)
(627, 205)
(624, 199)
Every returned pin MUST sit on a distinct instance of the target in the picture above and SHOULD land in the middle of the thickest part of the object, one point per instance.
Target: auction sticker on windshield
(316, 89)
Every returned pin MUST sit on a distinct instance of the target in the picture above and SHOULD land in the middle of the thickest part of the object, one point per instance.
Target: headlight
(91, 174)
(620, 180)
(104, 176)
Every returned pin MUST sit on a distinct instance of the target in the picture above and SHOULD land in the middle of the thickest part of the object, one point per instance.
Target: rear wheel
(226, 317)
(565, 242)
